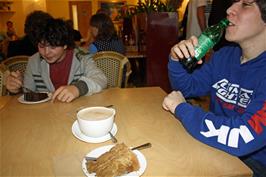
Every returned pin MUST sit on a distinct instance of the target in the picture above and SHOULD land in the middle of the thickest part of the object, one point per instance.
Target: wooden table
(36, 140)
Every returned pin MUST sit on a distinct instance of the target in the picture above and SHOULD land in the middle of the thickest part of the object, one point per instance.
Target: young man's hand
(66, 93)
(172, 100)
(184, 49)
(14, 82)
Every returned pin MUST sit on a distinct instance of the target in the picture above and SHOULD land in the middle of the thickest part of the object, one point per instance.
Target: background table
(36, 140)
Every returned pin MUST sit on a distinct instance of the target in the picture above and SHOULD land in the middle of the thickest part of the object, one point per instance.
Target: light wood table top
(36, 140)
(4, 100)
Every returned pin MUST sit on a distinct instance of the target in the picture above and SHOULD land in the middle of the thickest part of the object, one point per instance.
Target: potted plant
(149, 6)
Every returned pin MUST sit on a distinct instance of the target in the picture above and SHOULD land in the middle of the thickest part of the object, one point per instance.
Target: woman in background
(104, 34)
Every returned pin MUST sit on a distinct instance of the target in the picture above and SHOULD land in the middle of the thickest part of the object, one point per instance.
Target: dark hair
(35, 21)
(103, 11)
(57, 33)
(70, 23)
(105, 26)
(262, 7)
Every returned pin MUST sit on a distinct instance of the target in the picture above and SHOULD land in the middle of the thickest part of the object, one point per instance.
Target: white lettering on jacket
(225, 132)
(232, 93)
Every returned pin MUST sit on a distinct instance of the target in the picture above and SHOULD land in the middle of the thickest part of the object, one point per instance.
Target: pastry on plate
(118, 161)
(35, 96)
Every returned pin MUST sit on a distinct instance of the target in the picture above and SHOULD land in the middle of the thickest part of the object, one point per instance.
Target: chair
(3, 72)
(115, 66)
(16, 63)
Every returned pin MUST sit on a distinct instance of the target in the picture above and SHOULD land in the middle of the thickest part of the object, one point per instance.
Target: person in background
(10, 31)
(196, 19)
(89, 38)
(76, 33)
(218, 12)
(27, 45)
(3, 42)
(104, 34)
(103, 11)
(235, 79)
(58, 67)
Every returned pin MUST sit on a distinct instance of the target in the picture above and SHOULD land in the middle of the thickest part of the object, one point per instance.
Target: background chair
(16, 63)
(115, 66)
(3, 72)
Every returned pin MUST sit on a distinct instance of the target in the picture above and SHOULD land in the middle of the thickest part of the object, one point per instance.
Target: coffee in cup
(95, 121)
(95, 114)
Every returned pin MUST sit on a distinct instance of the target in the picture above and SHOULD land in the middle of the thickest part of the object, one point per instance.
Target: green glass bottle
(206, 41)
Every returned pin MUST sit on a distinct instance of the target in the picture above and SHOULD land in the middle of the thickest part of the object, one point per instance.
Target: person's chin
(229, 37)
(50, 61)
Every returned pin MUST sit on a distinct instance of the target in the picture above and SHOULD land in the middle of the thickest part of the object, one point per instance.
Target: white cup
(95, 121)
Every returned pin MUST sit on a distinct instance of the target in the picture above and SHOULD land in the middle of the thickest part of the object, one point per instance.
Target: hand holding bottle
(185, 49)
(192, 50)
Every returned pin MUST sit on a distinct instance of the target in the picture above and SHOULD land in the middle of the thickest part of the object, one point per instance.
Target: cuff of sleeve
(183, 110)
(82, 87)
(172, 59)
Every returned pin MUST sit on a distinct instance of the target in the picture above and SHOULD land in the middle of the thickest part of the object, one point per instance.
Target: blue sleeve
(237, 135)
(92, 49)
(197, 83)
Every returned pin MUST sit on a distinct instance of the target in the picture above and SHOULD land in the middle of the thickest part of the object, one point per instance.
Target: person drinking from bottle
(235, 78)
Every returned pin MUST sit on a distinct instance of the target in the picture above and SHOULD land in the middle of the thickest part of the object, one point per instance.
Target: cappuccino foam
(95, 114)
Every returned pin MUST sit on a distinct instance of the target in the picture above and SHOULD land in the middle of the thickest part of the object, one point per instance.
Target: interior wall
(57, 8)
(22, 8)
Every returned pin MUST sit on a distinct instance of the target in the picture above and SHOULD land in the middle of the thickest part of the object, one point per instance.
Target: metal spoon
(143, 146)
(113, 138)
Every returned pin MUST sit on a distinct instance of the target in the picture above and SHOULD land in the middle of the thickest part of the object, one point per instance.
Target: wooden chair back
(3, 73)
(16, 63)
(115, 66)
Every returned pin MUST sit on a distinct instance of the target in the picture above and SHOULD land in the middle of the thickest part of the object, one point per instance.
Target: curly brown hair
(35, 21)
(57, 33)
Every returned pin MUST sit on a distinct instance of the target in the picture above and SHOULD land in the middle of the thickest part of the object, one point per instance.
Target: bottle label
(204, 44)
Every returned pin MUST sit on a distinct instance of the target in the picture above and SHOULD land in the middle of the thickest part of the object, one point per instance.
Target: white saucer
(78, 134)
(100, 150)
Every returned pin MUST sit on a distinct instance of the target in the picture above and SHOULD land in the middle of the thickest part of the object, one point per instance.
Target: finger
(191, 48)
(200, 62)
(190, 44)
(173, 52)
(56, 93)
(17, 82)
(14, 82)
(164, 105)
(181, 50)
(185, 48)
(70, 99)
(63, 97)
(194, 40)
(173, 93)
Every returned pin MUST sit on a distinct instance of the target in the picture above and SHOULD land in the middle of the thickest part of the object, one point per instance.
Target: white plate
(78, 134)
(99, 151)
(21, 100)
